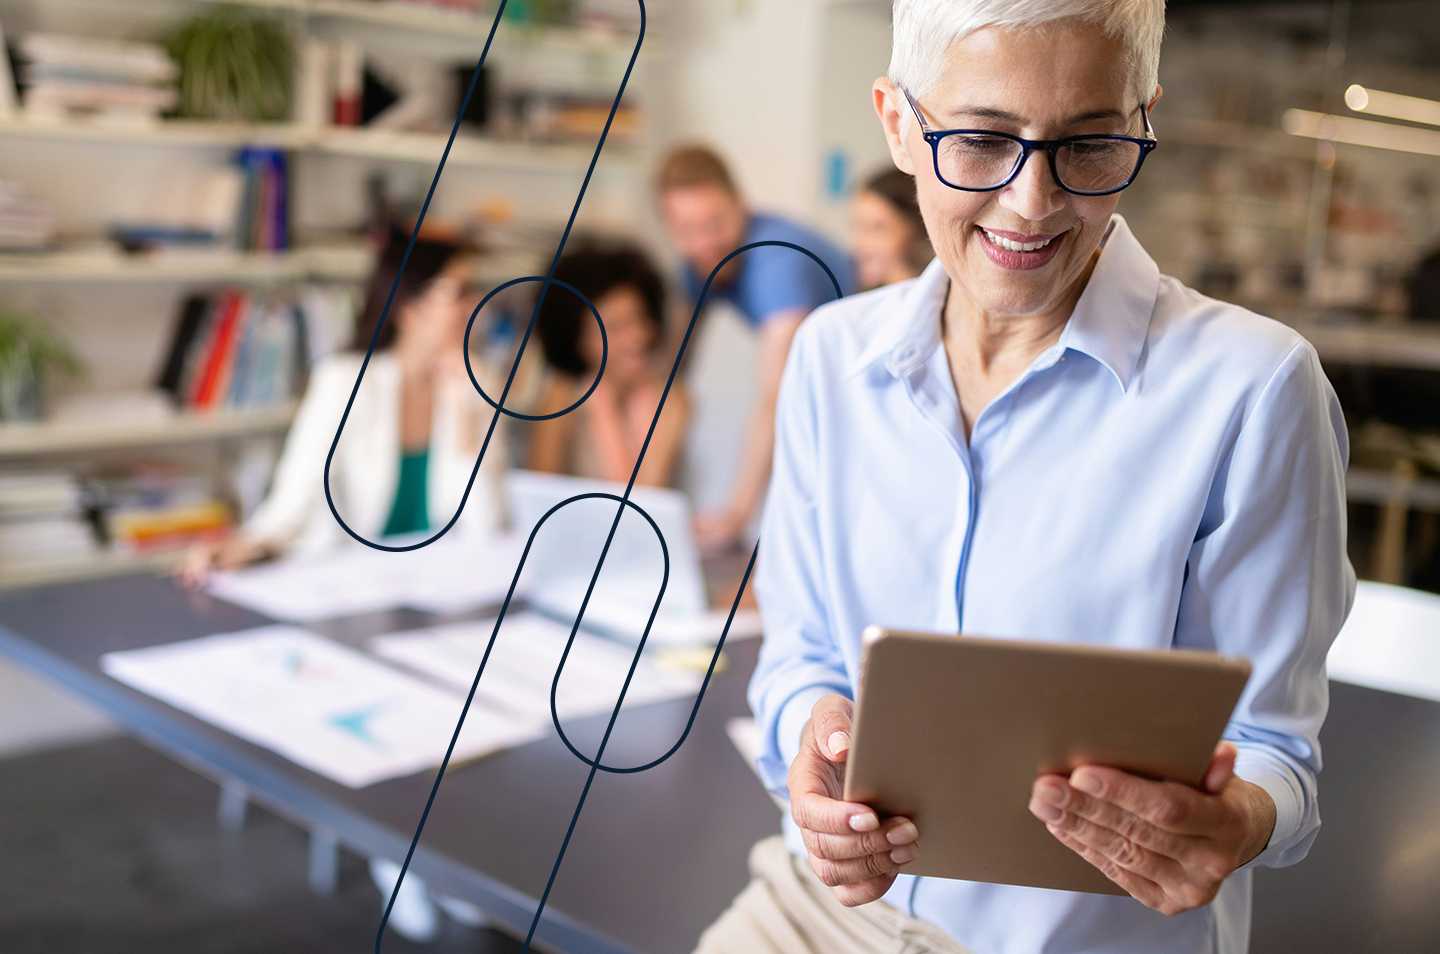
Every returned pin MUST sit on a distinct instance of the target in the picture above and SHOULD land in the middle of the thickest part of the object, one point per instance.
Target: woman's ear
(896, 120)
(1159, 91)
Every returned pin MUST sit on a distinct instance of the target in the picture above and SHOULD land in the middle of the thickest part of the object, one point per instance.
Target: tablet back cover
(951, 731)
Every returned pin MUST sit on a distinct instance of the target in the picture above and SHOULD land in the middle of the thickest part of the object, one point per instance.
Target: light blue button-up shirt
(1170, 473)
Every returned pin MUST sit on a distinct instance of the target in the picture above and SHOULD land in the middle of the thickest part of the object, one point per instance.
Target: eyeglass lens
(974, 161)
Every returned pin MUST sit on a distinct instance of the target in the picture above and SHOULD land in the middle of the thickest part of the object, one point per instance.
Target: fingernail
(902, 834)
(903, 856)
(838, 742)
(864, 821)
(1086, 783)
(1050, 792)
(1045, 811)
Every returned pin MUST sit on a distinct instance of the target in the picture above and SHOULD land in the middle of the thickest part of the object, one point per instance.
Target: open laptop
(564, 554)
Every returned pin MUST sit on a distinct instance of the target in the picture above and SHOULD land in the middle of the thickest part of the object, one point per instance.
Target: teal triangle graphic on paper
(357, 723)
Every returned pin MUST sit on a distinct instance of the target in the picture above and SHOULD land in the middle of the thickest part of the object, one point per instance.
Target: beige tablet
(952, 731)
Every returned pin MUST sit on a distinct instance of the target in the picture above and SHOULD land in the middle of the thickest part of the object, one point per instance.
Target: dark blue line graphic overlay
(623, 501)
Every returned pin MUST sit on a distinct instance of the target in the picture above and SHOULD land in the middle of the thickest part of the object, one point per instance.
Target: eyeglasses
(983, 160)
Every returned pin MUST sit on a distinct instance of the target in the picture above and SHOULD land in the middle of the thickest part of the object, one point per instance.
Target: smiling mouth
(1011, 245)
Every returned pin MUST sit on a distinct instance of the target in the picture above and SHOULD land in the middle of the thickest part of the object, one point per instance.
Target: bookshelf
(337, 263)
(71, 156)
(108, 266)
(1396, 345)
(474, 151)
(1380, 488)
(44, 441)
(449, 33)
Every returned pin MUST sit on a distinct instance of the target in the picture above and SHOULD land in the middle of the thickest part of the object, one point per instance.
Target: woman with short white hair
(1042, 437)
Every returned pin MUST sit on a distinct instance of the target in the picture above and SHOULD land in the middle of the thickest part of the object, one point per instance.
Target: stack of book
(263, 224)
(154, 508)
(236, 349)
(42, 521)
(114, 78)
(27, 224)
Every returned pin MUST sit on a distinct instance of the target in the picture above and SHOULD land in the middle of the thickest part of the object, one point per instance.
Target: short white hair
(925, 29)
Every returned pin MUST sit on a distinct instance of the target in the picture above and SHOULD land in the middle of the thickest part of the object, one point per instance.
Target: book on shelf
(262, 220)
(9, 102)
(236, 349)
(27, 223)
(147, 507)
(43, 517)
(62, 74)
(209, 385)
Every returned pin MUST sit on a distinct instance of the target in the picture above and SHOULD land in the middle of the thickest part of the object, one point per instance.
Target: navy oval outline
(489, 434)
(534, 314)
(599, 372)
(596, 764)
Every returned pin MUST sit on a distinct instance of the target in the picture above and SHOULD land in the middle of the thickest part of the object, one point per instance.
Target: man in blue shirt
(773, 288)
(1042, 437)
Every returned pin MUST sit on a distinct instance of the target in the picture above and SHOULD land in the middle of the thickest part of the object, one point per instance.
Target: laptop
(567, 548)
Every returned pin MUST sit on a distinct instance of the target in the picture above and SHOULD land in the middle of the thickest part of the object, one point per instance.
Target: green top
(409, 513)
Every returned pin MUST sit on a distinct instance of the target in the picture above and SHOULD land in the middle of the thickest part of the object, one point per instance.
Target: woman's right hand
(229, 553)
(848, 846)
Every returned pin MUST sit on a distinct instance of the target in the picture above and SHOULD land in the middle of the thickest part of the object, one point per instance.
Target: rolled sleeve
(799, 661)
(1286, 783)
(1268, 579)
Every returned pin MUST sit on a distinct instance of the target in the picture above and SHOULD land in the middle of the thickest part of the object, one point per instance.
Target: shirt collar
(1110, 321)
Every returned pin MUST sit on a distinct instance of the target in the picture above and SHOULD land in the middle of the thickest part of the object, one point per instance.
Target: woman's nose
(1034, 194)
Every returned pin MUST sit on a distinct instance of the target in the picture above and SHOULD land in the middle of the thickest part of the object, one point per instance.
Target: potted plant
(28, 352)
(234, 65)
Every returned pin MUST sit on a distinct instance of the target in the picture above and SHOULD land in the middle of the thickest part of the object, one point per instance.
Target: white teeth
(1007, 244)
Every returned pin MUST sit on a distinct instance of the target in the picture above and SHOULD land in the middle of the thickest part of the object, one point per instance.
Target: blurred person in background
(602, 438)
(416, 407)
(887, 232)
(707, 218)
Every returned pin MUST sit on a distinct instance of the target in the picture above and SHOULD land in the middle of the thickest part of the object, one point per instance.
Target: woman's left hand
(1170, 846)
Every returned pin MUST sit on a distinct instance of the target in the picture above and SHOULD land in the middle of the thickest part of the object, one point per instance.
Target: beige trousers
(787, 910)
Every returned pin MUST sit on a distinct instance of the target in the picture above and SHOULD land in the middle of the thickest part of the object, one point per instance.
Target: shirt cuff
(783, 743)
(1256, 765)
(793, 716)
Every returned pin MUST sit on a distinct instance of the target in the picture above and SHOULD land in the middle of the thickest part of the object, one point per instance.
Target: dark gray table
(658, 855)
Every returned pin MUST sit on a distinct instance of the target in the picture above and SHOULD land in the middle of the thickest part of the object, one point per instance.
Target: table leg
(324, 861)
(234, 797)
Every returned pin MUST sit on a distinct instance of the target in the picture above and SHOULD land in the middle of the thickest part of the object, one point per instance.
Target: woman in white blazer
(412, 436)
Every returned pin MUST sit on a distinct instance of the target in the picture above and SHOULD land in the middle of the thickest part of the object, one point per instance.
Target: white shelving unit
(469, 150)
(1380, 488)
(1394, 346)
(109, 266)
(26, 442)
(340, 263)
(72, 277)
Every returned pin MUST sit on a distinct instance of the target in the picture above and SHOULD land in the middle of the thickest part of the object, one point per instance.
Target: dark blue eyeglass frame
(1049, 146)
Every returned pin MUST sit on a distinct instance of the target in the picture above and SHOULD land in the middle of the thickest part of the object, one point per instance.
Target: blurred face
(432, 324)
(1066, 79)
(705, 222)
(631, 336)
(881, 241)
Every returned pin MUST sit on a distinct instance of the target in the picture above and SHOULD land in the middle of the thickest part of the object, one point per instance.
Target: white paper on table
(451, 575)
(625, 619)
(324, 706)
(522, 664)
(1391, 641)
